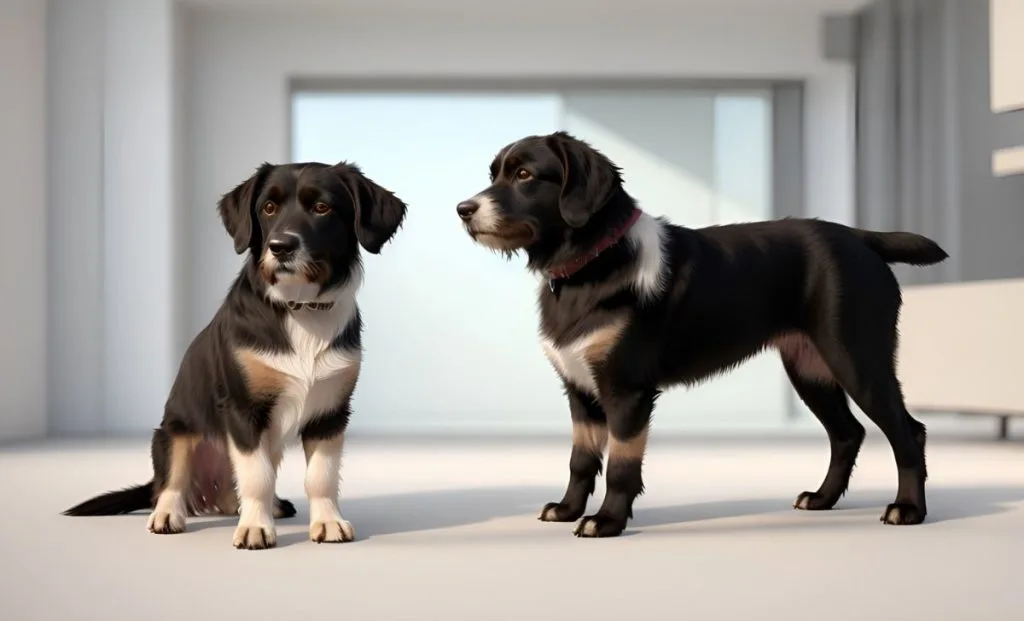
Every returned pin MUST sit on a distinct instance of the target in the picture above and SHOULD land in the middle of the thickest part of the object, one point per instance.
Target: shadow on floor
(428, 510)
(944, 504)
(412, 512)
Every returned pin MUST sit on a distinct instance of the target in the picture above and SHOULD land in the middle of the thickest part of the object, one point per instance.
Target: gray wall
(23, 251)
(926, 133)
(992, 222)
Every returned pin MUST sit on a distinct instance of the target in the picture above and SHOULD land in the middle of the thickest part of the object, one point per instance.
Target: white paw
(168, 517)
(255, 537)
(334, 531)
(165, 523)
(255, 527)
(326, 524)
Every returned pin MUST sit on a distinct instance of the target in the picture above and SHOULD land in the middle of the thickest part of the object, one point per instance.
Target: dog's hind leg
(817, 388)
(870, 379)
(589, 437)
(172, 460)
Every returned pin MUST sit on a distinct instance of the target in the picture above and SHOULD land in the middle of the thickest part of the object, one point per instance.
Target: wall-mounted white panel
(1006, 27)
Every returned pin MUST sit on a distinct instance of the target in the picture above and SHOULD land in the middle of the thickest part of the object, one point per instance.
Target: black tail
(118, 502)
(901, 247)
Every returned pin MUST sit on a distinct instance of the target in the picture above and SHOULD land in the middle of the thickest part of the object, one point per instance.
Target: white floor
(447, 530)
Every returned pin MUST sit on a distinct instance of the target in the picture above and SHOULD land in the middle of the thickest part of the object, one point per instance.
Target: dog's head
(303, 223)
(547, 196)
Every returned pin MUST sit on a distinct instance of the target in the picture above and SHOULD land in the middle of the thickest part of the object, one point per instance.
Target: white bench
(961, 348)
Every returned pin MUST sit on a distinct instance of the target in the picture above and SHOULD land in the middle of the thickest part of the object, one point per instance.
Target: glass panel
(450, 328)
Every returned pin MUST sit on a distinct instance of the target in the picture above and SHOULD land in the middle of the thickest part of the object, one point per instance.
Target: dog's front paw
(559, 512)
(165, 523)
(813, 501)
(333, 531)
(599, 526)
(255, 537)
(902, 513)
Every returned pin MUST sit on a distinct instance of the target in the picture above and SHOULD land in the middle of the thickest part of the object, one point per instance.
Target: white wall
(113, 213)
(75, 71)
(139, 212)
(241, 63)
(23, 250)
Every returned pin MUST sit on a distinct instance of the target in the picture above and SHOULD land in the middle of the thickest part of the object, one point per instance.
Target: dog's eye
(321, 208)
(522, 174)
(270, 208)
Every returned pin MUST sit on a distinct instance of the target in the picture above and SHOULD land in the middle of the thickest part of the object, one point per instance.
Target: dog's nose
(466, 209)
(283, 245)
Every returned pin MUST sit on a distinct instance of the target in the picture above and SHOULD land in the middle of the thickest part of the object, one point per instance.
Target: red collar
(568, 269)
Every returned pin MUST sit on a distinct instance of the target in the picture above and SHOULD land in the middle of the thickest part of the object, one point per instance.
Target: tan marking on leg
(591, 437)
(632, 449)
(600, 342)
(799, 350)
(323, 466)
(171, 509)
(261, 379)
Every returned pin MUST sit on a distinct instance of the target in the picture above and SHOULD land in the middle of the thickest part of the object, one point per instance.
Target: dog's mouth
(314, 272)
(506, 238)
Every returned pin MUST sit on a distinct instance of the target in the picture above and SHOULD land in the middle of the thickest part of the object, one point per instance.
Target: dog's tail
(118, 502)
(902, 247)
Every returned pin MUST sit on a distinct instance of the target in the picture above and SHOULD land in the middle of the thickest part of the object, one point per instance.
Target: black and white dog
(280, 359)
(631, 305)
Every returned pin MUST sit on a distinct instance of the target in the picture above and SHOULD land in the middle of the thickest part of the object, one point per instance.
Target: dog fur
(279, 360)
(632, 304)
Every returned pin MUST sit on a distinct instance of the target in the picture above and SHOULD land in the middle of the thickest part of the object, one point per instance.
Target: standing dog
(632, 304)
(280, 359)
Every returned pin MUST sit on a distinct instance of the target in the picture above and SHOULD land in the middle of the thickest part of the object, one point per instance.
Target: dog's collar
(294, 306)
(568, 269)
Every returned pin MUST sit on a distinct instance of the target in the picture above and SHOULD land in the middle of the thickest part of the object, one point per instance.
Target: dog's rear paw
(559, 512)
(334, 531)
(902, 513)
(599, 526)
(255, 537)
(813, 501)
(283, 509)
(165, 523)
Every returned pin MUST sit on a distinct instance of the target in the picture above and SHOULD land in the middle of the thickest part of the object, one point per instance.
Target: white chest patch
(314, 378)
(575, 361)
(570, 361)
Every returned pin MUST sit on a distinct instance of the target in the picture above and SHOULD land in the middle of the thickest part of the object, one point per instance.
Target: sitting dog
(280, 359)
(632, 304)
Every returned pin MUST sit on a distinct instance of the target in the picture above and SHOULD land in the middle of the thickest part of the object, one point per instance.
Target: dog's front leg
(629, 416)
(589, 436)
(255, 476)
(323, 474)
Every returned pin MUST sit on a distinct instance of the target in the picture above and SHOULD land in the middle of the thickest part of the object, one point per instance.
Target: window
(451, 330)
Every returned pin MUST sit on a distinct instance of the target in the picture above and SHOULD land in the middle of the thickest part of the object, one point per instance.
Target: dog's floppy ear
(236, 209)
(588, 178)
(378, 212)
